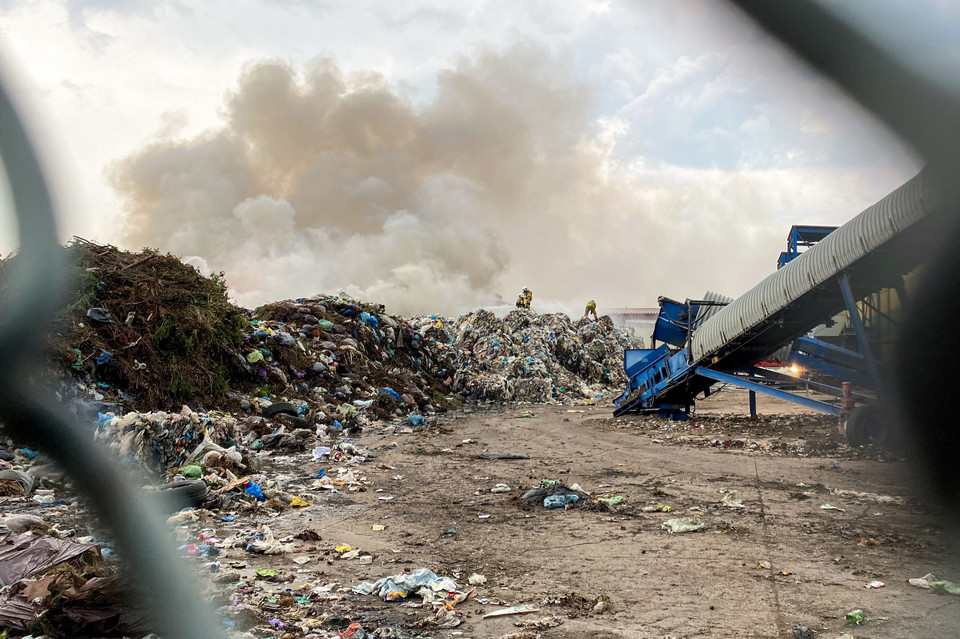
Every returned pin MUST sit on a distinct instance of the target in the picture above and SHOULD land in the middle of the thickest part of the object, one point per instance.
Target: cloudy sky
(432, 154)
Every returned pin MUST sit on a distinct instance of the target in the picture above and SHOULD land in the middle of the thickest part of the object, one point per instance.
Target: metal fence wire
(925, 115)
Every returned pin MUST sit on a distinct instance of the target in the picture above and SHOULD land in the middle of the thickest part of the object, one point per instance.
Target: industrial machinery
(716, 340)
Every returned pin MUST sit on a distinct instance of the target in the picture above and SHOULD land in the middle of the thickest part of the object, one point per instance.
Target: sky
(434, 155)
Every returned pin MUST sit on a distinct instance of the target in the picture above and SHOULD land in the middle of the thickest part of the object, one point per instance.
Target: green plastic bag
(193, 471)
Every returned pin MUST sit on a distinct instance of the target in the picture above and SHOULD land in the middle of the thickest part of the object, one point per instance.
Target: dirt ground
(778, 562)
(712, 583)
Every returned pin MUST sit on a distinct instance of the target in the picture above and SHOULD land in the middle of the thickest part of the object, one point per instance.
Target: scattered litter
(922, 582)
(855, 616)
(869, 543)
(659, 508)
(500, 488)
(829, 507)
(683, 524)
(399, 587)
(560, 501)
(263, 543)
(512, 610)
(733, 500)
(947, 587)
(502, 456)
(876, 584)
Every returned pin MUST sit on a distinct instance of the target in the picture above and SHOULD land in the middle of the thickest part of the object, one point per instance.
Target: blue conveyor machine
(715, 340)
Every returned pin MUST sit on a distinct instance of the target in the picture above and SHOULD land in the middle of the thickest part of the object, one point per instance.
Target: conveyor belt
(873, 251)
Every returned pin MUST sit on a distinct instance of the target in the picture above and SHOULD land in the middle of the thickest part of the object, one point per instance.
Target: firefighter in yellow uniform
(591, 308)
(525, 298)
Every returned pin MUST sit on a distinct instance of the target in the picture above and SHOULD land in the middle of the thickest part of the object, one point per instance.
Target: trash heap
(346, 356)
(535, 358)
(144, 328)
(145, 331)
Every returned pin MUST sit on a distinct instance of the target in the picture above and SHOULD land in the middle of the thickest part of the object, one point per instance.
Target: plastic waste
(732, 499)
(683, 524)
(44, 497)
(253, 489)
(922, 582)
(398, 587)
(22, 478)
(945, 587)
(416, 420)
(512, 610)
(855, 616)
(390, 393)
(101, 315)
(192, 472)
(560, 501)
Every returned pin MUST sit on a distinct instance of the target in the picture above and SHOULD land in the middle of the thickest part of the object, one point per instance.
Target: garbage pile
(345, 355)
(535, 358)
(145, 328)
(145, 331)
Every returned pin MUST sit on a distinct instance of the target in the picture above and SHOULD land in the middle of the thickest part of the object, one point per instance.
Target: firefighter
(527, 297)
(591, 309)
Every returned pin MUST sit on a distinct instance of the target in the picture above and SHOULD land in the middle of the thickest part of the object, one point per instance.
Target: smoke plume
(320, 180)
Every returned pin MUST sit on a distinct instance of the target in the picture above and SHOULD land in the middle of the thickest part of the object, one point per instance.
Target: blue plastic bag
(390, 392)
(559, 501)
(253, 489)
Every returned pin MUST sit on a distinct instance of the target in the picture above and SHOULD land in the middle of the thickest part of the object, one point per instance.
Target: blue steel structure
(873, 251)
(805, 236)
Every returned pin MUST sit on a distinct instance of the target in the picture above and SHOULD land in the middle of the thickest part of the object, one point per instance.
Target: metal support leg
(753, 404)
(857, 322)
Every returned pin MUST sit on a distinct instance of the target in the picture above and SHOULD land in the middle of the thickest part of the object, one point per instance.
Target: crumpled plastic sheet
(400, 586)
(83, 607)
(26, 555)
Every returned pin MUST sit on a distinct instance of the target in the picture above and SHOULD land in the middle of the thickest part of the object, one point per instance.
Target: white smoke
(320, 180)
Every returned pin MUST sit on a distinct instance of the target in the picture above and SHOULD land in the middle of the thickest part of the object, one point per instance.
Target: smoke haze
(320, 180)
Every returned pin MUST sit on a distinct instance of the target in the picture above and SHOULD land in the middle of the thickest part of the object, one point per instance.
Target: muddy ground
(432, 496)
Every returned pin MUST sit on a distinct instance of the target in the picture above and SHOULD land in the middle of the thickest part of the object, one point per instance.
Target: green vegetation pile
(172, 335)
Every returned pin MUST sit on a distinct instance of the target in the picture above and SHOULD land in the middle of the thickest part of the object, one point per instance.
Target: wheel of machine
(867, 425)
